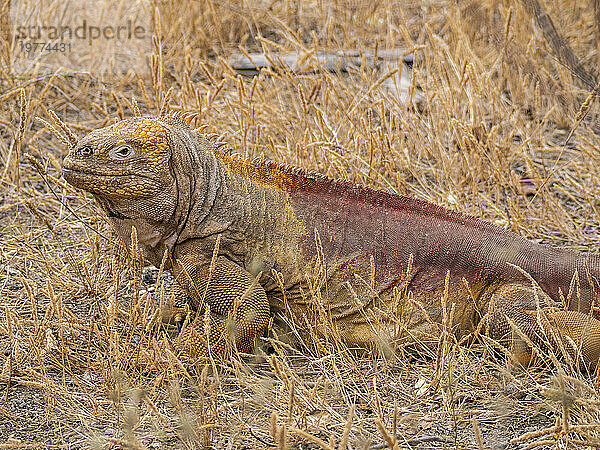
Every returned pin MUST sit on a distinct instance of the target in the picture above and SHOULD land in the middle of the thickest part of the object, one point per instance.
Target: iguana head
(127, 160)
(143, 172)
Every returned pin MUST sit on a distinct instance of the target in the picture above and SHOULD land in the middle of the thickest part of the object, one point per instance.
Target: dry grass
(492, 130)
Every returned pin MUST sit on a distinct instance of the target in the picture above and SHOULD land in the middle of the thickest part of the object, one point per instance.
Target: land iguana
(246, 239)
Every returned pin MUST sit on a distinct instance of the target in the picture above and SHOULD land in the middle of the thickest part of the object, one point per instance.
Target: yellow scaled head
(129, 159)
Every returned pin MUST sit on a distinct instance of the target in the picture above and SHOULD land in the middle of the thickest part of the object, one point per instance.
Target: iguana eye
(121, 153)
(85, 151)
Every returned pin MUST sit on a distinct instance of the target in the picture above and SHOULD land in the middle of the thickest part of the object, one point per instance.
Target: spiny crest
(180, 119)
(258, 170)
(293, 179)
(352, 193)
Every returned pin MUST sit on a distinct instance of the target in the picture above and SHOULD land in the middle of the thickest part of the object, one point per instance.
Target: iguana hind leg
(583, 329)
(230, 306)
(515, 305)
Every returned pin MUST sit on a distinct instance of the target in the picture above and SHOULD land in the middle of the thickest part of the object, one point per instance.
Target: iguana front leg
(516, 303)
(230, 306)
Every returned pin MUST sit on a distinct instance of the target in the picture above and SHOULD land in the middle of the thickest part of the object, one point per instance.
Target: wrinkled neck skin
(256, 227)
(153, 218)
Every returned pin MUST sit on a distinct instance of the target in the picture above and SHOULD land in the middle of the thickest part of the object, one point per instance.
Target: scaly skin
(246, 240)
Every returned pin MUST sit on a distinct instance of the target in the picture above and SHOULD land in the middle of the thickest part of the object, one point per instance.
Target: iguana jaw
(108, 183)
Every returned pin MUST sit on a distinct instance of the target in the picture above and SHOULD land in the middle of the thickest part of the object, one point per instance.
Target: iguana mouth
(97, 172)
(74, 172)
(124, 184)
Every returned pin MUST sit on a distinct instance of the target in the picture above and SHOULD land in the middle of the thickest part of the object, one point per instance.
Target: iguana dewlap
(382, 267)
